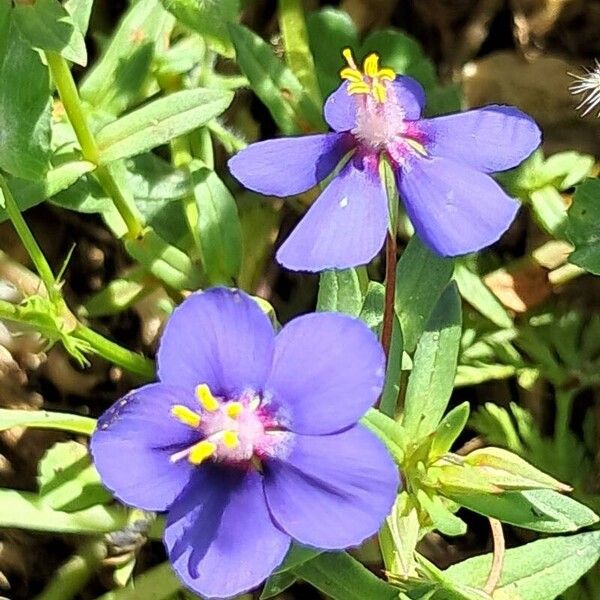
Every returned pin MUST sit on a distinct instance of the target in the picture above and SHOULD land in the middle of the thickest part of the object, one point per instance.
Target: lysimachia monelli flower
(250, 440)
(441, 166)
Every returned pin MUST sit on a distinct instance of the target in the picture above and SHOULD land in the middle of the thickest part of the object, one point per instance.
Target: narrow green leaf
(157, 583)
(27, 511)
(441, 516)
(67, 479)
(431, 381)
(450, 427)
(24, 104)
(550, 210)
(372, 309)
(164, 261)
(31, 193)
(277, 584)
(386, 429)
(393, 372)
(541, 570)
(421, 277)
(342, 291)
(160, 121)
(274, 83)
(80, 11)
(583, 227)
(478, 295)
(220, 232)
(565, 169)
(540, 510)
(342, 577)
(118, 295)
(47, 25)
(121, 76)
(209, 19)
(43, 419)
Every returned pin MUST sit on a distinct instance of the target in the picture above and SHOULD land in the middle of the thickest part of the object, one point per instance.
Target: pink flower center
(237, 431)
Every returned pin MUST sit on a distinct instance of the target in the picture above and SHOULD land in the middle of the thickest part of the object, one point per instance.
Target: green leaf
(564, 169)
(441, 516)
(393, 371)
(157, 583)
(43, 419)
(160, 121)
(164, 261)
(121, 76)
(550, 210)
(27, 511)
(329, 32)
(209, 19)
(24, 104)
(450, 427)
(387, 430)
(431, 381)
(540, 510)
(220, 232)
(67, 479)
(47, 25)
(80, 11)
(31, 193)
(342, 577)
(584, 226)
(274, 83)
(421, 277)
(371, 312)
(541, 570)
(342, 291)
(277, 584)
(478, 295)
(119, 295)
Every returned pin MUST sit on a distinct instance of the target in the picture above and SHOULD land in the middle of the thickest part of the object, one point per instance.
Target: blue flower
(441, 165)
(250, 440)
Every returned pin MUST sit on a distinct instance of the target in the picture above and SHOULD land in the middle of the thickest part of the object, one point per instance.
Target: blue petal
(454, 208)
(218, 337)
(410, 96)
(332, 491)
(134, 441)
(342, 370)
(340, 109)
(489, 139)
(288, 166)
(346, 225)
(220, 536)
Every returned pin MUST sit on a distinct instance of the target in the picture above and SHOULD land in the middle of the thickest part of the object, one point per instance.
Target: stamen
(368, 81)
(207, 400)
(231, 439)
(185, 415)
(234, 409)
(201, 451)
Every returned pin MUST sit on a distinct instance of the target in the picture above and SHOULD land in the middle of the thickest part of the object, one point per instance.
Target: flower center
(232, 431)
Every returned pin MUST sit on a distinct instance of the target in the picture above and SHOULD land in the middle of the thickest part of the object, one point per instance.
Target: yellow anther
(231, 439)
(185, 415)
(370, 79)
(234, 409)
(371, 65)
(201, 451)
(207, 400)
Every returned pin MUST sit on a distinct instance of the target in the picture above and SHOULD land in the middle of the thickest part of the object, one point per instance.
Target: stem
(30, 243)
(562, 420)
(71, 577)
(132, 361)
(67, 90)
(390, 292)
(498, 559)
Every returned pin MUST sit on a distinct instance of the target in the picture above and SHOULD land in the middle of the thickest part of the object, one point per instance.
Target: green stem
(132, 361)
(67, 90)
(71, 577)
(297, 50)
(30, 243)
